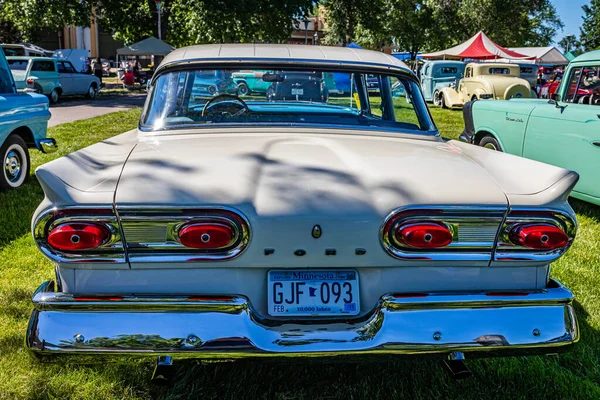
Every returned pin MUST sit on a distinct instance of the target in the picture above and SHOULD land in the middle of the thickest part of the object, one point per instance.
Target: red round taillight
(539, 237)
(72, 236)
(424, 235)
(207, 236)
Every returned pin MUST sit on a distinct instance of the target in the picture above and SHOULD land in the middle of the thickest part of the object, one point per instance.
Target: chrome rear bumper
(212, 327)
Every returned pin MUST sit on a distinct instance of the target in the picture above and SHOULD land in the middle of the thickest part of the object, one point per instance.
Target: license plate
(297, 92)
(313, 293)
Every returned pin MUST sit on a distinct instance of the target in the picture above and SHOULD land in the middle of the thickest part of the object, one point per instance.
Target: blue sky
(570, 12)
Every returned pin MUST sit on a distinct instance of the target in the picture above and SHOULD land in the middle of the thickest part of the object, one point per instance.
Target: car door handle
(596, 144)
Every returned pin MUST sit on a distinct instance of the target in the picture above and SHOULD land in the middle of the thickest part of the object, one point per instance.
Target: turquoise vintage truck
(563, 131)
(23, 122)
(439, 74)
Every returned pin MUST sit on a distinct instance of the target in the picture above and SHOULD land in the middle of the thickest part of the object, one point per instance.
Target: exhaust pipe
(456, 367)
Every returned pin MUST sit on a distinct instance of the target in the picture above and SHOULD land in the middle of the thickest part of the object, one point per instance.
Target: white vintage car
(228, 226)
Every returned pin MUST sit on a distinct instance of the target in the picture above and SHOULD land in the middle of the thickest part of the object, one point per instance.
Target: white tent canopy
(543, 55)
(147, 47)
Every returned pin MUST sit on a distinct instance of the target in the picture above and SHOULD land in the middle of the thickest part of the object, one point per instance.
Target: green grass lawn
(574, 375)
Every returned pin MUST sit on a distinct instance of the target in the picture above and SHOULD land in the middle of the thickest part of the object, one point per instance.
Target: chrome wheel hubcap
(54, 96)
(12, 166)
(490, 146)
(92, 92)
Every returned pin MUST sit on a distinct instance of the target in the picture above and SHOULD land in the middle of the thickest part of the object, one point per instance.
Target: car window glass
(69, 67)
(6, 85)
(468, 72)
(573, 81)
(340, 98)
(449, 70)
(527, 70)
(61, 67)
(499, 71)
(13, 51)
(18, 65)
(588, 87)
(43, 66)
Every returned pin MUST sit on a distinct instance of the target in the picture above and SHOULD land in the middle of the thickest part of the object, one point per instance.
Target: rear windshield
(13, 51)
(449, 70)
(499, 71)
(209, 97)
(18, 65)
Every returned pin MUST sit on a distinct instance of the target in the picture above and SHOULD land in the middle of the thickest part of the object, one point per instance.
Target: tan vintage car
(486, 81)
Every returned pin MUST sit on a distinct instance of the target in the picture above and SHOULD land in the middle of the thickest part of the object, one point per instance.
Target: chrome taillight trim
(112, 251)
(451, 216)
(508, 251)
(172, 219)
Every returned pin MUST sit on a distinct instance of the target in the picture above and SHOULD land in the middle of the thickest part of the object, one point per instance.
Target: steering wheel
(223, 97)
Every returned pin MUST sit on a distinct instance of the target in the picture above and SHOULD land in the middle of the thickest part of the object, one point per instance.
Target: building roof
(148, 47)
(282, 52)
(543, 55)
(479, 47)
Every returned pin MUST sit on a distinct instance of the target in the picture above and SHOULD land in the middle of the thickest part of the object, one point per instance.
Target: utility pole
(568, 37)
(159, 10)
(305, 30)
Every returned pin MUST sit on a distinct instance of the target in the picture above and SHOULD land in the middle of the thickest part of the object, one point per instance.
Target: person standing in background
(98, 69)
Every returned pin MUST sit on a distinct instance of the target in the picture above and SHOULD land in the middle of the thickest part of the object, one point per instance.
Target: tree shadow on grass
(16, 209)
(587, 209)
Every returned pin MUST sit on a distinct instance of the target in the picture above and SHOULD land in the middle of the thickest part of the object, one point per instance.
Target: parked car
(297, 85)
(436, 75)
(213, 83)
(548, 88)
(23, 123)
(52, 77)
(250, 82)
(24, 49)
(289, 228)
(564, 131)
(529, 72)
(486, 81)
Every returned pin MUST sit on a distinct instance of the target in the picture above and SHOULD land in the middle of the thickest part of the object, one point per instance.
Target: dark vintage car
(297, 85)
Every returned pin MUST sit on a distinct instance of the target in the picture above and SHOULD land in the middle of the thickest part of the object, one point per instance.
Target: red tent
(479, 47)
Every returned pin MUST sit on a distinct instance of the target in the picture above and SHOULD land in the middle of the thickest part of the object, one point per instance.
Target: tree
(9, 32)
(511, 23)
(590, 29)
(412, 24)
(344, 18)
(184, 22)
(570, 43)
(221, 21)
(29, 17)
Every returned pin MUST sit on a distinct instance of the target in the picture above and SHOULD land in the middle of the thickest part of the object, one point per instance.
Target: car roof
(448, 62)
(255, 52)
(495, 65)
(589, 56)
(34, 58)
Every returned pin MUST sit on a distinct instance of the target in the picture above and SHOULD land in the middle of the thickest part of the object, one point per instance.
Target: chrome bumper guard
(479, 324)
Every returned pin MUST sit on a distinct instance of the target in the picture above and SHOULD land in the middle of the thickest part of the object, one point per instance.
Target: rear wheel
(54, 96)
(15, 163)
(91, 94)
(436, 98)
(443, 101)
(490, 142)
(243, 89)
